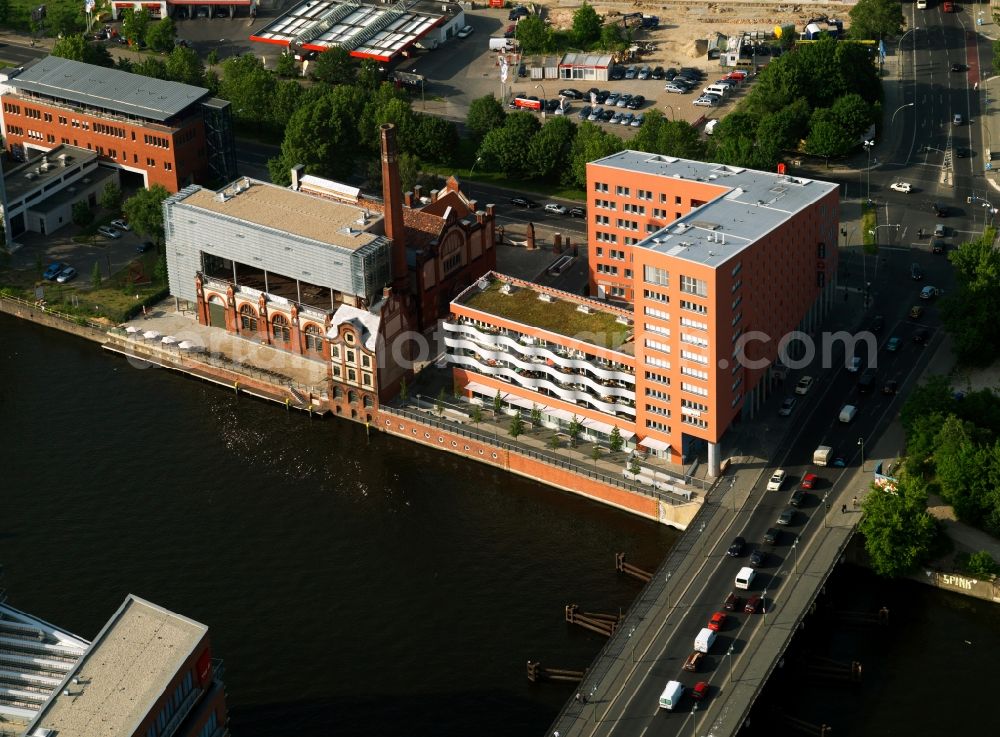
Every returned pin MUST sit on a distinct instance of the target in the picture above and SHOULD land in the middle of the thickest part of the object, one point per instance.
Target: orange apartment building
(163, 132)
(714, 266)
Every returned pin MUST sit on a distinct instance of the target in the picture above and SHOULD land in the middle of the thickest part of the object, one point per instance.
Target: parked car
(942, 211)
(670, 73)
(523, 202)
(595, 114)
(938, 246)
(571, 93)
(636, 102)
(804, 385)
(109, 232)
(631, 73)
(904, 187)
(737, 548)
(608, 114)
(890, 387)
(612, 99)
(892, 345)
(120, 224)
(787, 406)
(585, 112)
(673, 87)
(638, 120)
(555, 208)
(916, 273)
(616, 73)
(616, 117)
(706, 101)
(658, 73)
(928, 292)
(144, 246)
(67, 274)
(602, 96)
(940, 230)
(776, 480)
(623, 100)
(53, 270)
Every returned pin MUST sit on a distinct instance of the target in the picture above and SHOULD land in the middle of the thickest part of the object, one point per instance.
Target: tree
(549, 148)
(78, 48)
(135, 25)
(82, 215)
(4, 11)
(591, 143)
(827, 138)
(553, 442)
(95, 275)
(536, 416)
(595, 454)
(477, 414)
(611, 38)
(439, 402)
(586, 25)
(485, 114)
(898, 529)
(574, 429)
(616, 440)
(969, 313)
(503, 149)
(958, 462)
(933, 397)
(286, 66)
(111, 197)
(212, 57)
(784, 128)
(404, 389)
(249, 87)
(144, 211)
(150, 67)
(334, 66)
(981, 565)
(534, 36)
(288, 97)
(160, 35)
(369, 77)
(516, 425)
(853, 113)
(497, 403)
(64, 20)
(184, 66)
(434, 139)
(875, 19)
(633, 466)
(671, 138)
(409, 172)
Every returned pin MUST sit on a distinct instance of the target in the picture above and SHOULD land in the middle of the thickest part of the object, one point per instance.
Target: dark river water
(360, 586)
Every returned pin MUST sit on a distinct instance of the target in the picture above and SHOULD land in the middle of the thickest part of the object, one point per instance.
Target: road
(920, 147)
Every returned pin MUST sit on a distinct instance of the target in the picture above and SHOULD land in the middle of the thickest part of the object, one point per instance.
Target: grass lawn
(113, 300)
(19, 15)
(559, 316)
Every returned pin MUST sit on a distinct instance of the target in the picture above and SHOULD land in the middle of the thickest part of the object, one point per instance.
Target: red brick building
(164, 132)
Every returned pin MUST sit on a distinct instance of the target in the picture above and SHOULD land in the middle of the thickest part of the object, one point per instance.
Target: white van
(671, 695)
(703, 642)
(847, 412)
(745, 577)
(500, 44)
(921, 4)
(722, 90)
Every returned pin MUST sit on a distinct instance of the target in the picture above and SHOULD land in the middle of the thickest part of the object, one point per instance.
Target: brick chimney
(392, 196)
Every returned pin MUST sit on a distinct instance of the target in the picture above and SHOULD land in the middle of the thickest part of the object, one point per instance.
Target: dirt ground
(681, 24)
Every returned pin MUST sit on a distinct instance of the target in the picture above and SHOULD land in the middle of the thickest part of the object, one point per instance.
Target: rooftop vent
(483, 283)
(29, 175)
(221, 197)
(543, 297)
(507, 288)
(622, 320)
(585, 309)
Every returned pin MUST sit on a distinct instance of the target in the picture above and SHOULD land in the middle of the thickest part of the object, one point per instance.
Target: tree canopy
(485, 114)
(970, 313)
(586, 25)
(135, 24)
(334, 66)
(78, 48)
(876, 19)
(144, 211)
(160, 35)
(534, 36)
(897, 527)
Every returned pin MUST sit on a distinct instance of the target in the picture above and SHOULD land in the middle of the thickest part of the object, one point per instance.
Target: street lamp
(763, 606)
(729, 652)
(795, 555)
(826, 514)
(861, 442)
(694, 719)
(868, 147)
(893, 119)
(899, 66)
(666, 588)
(418, 401)
(544, 97)
(671, 109)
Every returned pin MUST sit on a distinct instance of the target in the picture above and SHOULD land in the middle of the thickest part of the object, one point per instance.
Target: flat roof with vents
(748, 204)
(108, 89)
(325, 221)
(123, 673)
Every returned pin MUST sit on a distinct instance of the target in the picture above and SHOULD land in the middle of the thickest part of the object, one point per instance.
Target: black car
(878, 323)
(608, 115)
(144, 246)
(585, 112)
(571, 93)
(920, 336)
(658, 73)
(578, 212)
(958, 67)
(757, 557)
(940, 210)
(616, 73)
(551, 106)
(938, 246)
(962, 153)
(636, 102)
(867, 381)
(738, 547)
(523, 202)
(522, 70)
(692, 72)
(891, 387)
(771, 536)
(670, 74)
(796, 499)
(602, 96)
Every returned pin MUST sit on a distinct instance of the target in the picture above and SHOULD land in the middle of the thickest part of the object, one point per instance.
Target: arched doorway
(216, 312)
(248, 318)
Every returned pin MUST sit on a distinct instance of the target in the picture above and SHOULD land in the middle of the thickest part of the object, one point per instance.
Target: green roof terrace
(585, 320)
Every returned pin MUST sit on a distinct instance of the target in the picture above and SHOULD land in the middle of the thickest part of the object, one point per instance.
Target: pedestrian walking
(843, 509)
(855, 502)
(579, 697)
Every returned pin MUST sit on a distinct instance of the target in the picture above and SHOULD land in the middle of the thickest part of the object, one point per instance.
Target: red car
(700, 690)
(718, 619)
(753, 604)
(809, 481)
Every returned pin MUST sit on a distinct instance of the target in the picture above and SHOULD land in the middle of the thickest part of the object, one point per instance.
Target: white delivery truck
(703, 642)
(848, 412)
(821, 456)
(671, 695)
(745, 577)
(499, 44)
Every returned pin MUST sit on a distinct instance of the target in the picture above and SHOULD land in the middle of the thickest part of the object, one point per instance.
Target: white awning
(654, 444)
(605, 428)
(516, 401)
(560, 414)
(489, 391)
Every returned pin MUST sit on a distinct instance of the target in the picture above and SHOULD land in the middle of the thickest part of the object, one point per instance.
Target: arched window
(279, 326)
(338, 393)
(368, 402)
(352, 398)
(248, 318)
(314, 339)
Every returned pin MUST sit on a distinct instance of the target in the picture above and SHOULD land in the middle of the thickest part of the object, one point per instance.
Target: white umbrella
(150, 335)
(168, 340)
(133, 329)
(187, 345)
